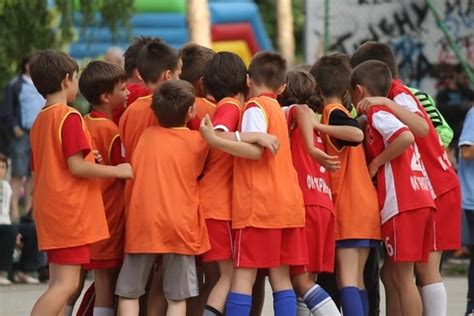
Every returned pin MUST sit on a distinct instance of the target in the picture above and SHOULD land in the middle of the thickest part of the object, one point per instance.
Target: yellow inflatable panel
(237, 47)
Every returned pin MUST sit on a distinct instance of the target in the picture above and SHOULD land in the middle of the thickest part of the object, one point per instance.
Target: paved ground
(17, 300)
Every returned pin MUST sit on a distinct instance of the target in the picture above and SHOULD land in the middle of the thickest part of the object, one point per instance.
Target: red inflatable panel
(235, 31)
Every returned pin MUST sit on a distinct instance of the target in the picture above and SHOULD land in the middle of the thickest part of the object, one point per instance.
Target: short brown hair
(130, 55)
(156, 58)
(225, 75)
(171, 102)
(332, 74)
(4, 159)
(300, 89)
(100, 77)
(374, 75)
(195, 58)
(268, 69)
(48, 68)
(378, 51)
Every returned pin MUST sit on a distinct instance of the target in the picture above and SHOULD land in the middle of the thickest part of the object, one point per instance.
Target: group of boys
(257, 188)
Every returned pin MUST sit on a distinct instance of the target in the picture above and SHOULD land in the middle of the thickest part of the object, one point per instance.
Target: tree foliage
(29, 25)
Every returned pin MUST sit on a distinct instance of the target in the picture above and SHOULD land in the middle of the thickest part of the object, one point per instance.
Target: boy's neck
(104, 109)
(57, 97)
(152, 85)
(256, 91)
(330, 100)
(134, 80)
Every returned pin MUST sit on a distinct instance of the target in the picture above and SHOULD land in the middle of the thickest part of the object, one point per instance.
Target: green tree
(30, 25)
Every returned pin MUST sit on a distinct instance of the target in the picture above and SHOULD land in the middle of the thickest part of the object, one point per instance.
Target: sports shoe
(21, 277)
(4, 280)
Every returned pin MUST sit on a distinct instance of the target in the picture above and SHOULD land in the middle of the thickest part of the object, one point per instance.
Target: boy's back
(163, 215)
(57, 191)
(251, 193)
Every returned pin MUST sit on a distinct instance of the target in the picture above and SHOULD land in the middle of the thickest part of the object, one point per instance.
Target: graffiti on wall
(408, 26)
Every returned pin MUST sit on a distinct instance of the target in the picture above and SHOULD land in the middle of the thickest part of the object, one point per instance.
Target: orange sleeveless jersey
(215, 191)
(203, 107)
(164, 215)
(136, 118)
(266, 193)
(354, 195)
(104, 133)
(68, 210)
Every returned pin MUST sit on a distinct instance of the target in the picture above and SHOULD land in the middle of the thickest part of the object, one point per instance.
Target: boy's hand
(331, 163)
(124, 171)
(366, 103)
(373, 168)
(206, 128)
(268, 141)
(97, 156)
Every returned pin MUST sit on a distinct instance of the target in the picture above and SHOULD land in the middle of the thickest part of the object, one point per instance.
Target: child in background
(405, 201)
(164, 216)
(104, 86)
(357, 213)
(156, 62)
(443, 179)
(309, 157)
(195, 58)
(268, 211)
(67, 204)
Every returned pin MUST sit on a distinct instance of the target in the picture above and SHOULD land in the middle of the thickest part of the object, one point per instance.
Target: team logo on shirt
(369, 136)
(315, 183)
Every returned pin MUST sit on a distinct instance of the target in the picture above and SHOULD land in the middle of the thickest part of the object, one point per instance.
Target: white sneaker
(21, 277)
(4, 280)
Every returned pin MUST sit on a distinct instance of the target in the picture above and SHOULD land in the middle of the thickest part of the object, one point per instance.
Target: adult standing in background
(22, 104)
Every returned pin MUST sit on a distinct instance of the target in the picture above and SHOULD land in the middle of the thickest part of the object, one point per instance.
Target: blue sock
(315, 297)
(364, 297)
(238, 304)
(350, 301)
(284, 303)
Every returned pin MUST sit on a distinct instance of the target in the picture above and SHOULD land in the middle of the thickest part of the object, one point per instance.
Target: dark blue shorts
(357, 243)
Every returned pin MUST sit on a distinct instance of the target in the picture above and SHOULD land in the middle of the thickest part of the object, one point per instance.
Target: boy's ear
(191, 112)
(167, 75)
(281, 89)
(136, 74)
(249, 82)
(200, 90)
(66, 81)
(104, 98)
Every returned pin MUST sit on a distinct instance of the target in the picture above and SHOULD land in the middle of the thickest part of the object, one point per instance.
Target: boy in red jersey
(104, 86)
(268, 211)
(407, 208)
(68, 207)
(310, 160)
(443, 179)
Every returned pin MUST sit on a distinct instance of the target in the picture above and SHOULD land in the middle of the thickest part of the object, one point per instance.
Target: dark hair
(100, 77)
(48, 68)
(195, 58)
(378, 51)
(225, 75)
(300, 89)
(171, 102)
(4, 159)
(24, 63)
(374, 75)
(332, 74)
(268, 69)
(130, 55)
(156, 58)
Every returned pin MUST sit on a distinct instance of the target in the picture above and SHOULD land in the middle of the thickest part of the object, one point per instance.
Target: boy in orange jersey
(311, 161)
(268, 209)
(444, 181)
(195, 58)
(404, 191)
(156, 62)
(357, 215)
(104, 86)
(164, 216)
(68, 207)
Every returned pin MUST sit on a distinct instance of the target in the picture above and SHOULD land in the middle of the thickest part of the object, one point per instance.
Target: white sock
(435, 300)
(103, 311)
(68, 310)
(328, 308)
(301, 308)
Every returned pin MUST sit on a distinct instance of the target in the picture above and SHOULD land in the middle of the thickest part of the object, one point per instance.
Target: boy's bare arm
(342, 132)
(467, 152)
(268, 141)
(393, 150)
(86, 169)
(416, 123)
(303, 116)
(235, 148)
